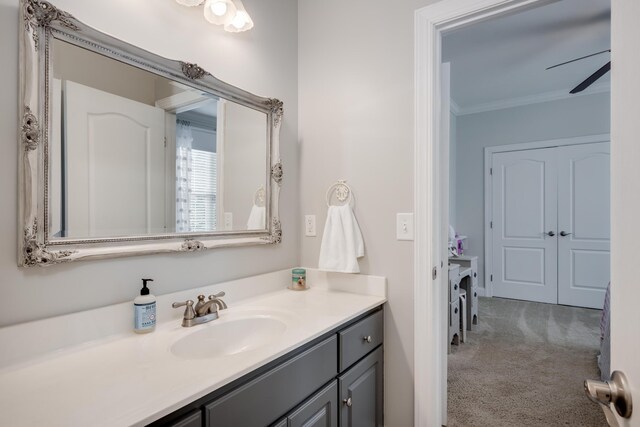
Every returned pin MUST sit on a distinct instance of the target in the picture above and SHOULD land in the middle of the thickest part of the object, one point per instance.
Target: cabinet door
(319, 411)
(361, 392)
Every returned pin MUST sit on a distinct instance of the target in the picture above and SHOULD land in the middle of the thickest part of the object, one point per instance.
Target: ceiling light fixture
(241, 21)
(190, 3)
(229, 13)
(219, 12)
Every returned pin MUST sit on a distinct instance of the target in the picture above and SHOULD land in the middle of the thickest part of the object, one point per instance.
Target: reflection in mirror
(133, 153)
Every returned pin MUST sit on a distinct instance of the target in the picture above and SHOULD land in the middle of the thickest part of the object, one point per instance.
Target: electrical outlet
(310, 225)
(404, 226)
(228, 220)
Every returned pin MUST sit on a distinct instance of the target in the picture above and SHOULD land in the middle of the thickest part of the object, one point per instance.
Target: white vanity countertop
(134, 379)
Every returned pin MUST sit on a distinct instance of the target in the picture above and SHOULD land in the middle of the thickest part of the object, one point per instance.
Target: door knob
(564, 233)
(613, 392)
(347, 402)
(551, 233)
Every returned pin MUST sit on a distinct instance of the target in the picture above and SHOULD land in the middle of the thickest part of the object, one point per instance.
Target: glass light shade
(241, 20)
(190, 2)
(219, 12)
(219, 8)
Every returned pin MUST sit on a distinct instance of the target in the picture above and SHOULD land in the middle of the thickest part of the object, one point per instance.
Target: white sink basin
(228, 337)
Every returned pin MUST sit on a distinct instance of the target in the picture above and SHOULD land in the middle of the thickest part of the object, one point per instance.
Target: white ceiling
(502, 61)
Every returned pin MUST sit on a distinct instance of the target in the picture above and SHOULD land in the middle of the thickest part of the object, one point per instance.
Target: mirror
(126, 152)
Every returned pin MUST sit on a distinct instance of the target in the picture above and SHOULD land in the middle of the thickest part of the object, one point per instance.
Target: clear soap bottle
(144, 310)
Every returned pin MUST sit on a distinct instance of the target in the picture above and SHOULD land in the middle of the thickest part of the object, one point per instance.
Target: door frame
(430, 313)
(488, 189)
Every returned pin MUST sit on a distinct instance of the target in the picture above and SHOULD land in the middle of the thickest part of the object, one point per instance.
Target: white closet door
(524, 212)
(115, 164)
(583, 215)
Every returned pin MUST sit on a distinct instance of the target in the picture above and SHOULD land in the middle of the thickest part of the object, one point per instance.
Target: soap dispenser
(145, 310)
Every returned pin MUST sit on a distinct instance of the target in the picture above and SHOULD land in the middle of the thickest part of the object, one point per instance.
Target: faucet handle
(217, 297)
(189, 312)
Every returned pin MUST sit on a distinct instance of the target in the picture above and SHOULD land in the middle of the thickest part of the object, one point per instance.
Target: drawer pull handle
(347, 402)
(366, 339)
(456, 310)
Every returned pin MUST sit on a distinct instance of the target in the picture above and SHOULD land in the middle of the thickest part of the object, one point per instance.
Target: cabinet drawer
(359, 339)
(266, 398)
(192, 420)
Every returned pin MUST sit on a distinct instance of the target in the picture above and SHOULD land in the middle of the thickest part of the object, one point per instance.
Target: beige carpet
(524, 365)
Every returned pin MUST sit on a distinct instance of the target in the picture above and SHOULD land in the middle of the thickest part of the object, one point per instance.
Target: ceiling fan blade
(578, 59)
(592, 78)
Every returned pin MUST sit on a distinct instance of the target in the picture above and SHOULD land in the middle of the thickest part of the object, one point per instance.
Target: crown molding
(528, 100)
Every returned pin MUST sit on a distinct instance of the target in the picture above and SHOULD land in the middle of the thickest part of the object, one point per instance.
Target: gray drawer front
(192, 420)
(353, 344)
(268, 397)
(321, 410)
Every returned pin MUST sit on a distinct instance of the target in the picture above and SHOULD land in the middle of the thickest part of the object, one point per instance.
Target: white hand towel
(342, 242)
(257, 218)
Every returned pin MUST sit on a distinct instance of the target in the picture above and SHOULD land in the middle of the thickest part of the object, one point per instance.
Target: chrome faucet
(202, 312)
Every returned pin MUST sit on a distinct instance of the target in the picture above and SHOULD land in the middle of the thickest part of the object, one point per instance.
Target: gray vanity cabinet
(334, 381)
(361, 392)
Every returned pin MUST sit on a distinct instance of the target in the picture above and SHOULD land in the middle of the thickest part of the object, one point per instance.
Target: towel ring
(342, 192)
(260, 197)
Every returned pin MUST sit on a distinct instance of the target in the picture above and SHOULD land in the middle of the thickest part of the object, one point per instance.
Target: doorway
(430, 288)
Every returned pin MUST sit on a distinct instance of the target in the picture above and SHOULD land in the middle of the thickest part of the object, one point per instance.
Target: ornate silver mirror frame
(40, 22)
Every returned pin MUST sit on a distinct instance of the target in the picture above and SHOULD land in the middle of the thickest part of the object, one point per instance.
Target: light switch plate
(404, 226)
(310, 225)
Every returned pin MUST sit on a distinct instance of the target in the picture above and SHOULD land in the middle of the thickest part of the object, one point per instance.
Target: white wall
(263, 61)
(579, 116)
(356, 87)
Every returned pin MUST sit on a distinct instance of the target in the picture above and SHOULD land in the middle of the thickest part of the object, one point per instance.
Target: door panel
(524, 265)
(442, 237)
(584, 212)
(625, 203)
(115, 174)
(524, 210)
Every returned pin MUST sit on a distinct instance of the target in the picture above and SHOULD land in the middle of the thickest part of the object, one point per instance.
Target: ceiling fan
(593, 77)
